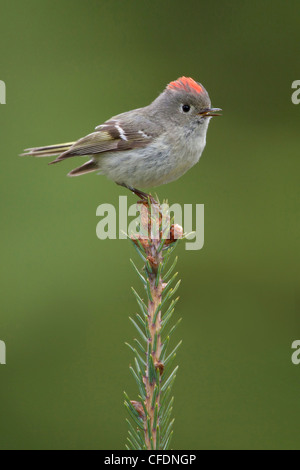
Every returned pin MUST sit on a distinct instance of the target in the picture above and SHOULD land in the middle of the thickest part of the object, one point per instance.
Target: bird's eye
(186, 108)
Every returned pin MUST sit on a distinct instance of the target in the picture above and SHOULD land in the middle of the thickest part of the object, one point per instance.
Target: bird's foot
(144, 196)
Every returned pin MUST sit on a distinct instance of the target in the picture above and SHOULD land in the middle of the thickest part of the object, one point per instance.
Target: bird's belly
(148, 167)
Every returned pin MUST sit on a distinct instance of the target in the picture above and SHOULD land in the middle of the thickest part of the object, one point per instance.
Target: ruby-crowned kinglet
(148, 146)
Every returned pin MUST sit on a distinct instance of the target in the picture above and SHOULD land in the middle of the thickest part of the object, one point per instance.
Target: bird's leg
(138, 193)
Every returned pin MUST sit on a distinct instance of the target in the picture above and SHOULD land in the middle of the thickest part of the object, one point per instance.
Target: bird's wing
(119, 133)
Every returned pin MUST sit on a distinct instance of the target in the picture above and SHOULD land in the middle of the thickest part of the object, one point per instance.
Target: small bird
(148, 146)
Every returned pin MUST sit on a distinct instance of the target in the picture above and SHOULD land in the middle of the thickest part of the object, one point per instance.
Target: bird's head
(185, 100)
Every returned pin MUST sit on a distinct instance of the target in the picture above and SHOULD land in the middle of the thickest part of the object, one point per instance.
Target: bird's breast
(162, 161)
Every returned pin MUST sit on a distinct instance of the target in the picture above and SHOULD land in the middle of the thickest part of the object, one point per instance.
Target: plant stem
(152, 412)
(154, 325)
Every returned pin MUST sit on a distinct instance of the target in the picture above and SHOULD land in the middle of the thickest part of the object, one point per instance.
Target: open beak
(210, 112)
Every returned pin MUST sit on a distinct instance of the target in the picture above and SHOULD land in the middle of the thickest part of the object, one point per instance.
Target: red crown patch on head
(186, 84)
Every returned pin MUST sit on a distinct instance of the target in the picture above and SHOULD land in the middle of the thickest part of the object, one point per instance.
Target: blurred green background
(65, 295)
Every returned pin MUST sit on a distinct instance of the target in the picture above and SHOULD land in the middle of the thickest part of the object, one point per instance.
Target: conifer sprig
(151, 423)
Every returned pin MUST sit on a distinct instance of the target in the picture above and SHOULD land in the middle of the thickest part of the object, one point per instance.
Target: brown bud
(176, 233)
(142, 240)
(159, 365)
(138, 407)
(152, 261)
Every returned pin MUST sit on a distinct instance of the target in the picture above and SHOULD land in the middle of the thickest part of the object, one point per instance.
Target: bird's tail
(62, 151)
(48, 151)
